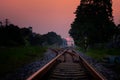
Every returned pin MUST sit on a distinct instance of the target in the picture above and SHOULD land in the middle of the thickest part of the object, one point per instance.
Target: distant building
(64, 43)
(70, 41)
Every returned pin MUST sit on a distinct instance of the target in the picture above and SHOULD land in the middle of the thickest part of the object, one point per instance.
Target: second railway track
(67, 65)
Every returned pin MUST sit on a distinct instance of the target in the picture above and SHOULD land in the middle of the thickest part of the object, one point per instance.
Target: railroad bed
(67, 65)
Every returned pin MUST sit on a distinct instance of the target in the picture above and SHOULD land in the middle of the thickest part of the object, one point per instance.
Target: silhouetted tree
(116, 37)
(35, 39)
(26, 35)
(14, 36)
(51, 38)
(11, 35)
(0, 24)
(93, 20)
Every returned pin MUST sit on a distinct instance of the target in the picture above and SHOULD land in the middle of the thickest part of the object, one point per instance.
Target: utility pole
(6, 22)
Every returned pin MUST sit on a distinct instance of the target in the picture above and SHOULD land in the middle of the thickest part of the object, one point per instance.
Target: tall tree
(94, 22)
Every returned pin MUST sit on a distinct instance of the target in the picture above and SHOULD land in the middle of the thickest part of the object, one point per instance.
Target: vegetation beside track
(99, 53)
(15, 57)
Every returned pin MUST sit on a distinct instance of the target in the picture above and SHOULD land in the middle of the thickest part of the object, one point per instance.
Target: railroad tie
(68, 71)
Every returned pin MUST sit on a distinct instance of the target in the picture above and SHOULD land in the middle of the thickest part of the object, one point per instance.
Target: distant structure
(64, 43)
(70, 43)
(6, 22)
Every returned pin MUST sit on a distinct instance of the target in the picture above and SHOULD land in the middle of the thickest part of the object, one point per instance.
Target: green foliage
(16, 57)
(11, 35)
(96, 53)
(52, 38)
(93, 20)
(100, 53)
(116, 38)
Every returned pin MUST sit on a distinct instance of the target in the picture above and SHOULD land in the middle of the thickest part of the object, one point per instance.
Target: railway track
(67, 65)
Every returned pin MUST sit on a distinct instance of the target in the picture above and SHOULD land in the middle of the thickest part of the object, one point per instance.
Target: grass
(15, 57)
(96, 53)
(100, 53)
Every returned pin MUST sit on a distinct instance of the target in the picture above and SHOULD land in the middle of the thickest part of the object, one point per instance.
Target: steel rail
(41, 72)
(90, 68)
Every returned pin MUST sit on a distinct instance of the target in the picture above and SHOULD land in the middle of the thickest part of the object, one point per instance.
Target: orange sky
(45, 15)
(116, 11)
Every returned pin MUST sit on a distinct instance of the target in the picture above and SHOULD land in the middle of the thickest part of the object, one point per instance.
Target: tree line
(12, 35)
(94, 24)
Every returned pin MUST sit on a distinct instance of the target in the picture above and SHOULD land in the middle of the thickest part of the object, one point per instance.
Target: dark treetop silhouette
(94, 22)
(11, 35)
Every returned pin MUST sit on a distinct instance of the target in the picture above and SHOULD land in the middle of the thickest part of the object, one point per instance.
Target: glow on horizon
(45, 15)
(116, 11)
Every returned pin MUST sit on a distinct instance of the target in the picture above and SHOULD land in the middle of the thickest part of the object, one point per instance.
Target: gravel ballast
(99, 66)
(29, 69)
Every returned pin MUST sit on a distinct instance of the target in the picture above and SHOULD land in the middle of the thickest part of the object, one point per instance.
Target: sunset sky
(45, 15)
